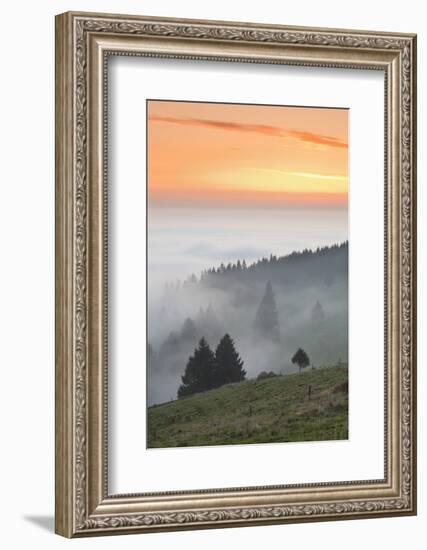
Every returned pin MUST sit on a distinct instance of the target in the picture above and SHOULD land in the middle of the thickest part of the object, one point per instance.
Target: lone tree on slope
(229, 364)
(266, 318)
(199, 372)
(301, 359)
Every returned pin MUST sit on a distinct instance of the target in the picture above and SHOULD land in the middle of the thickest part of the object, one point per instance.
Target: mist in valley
(270, 305)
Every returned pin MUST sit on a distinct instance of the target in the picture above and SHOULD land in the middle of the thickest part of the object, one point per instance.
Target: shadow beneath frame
(44, 522)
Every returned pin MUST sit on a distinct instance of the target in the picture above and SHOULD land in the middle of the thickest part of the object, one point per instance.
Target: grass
(272, 410)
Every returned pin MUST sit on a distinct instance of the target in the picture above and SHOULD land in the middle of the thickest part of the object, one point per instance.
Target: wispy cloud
(317, 176)
(222, 124)
(264, 129)
(318, 139)
(308, 175)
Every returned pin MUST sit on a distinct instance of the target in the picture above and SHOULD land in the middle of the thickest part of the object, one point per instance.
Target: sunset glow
(209, 154)
(247, 236)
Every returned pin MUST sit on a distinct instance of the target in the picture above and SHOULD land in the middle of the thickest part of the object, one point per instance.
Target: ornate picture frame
(84, 42)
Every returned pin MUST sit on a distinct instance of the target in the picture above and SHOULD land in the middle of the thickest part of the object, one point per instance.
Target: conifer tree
(199, 372)
(317, 313)
(228, 363)
(151, 359)
(266, 318)
(301, 359)
(189, 330)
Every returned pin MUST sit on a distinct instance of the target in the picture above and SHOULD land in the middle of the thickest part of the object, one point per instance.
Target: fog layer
(208, 272)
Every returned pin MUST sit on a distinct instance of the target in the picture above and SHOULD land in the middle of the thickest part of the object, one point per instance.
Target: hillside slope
(277, 409)
(226, 299)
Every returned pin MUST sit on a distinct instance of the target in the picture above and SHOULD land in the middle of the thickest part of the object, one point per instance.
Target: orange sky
(209, 154)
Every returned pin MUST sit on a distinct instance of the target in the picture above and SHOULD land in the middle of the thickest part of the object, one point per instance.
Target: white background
(131, 81)
(27, 276)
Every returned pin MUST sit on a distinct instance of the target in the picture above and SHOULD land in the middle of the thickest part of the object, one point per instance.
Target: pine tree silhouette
(208, 323)
(152, 360)
(301, 359)
(189, 330)
(228, 363)
(199, 372)
(317, 313)
(266, 318)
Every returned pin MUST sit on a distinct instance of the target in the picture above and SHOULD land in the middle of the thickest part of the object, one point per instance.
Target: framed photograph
(235, 274)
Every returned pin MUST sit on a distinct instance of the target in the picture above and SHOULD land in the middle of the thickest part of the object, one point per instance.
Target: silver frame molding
(83, 43)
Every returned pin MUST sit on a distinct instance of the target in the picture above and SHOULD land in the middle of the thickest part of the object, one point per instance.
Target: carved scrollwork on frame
(404, 47)
(244, 514)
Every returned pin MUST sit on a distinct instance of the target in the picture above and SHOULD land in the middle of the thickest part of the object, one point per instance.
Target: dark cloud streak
(318, 139)
(222, 125)
(264, 129)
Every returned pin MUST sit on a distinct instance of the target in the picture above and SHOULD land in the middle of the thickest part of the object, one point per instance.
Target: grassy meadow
(311, 406)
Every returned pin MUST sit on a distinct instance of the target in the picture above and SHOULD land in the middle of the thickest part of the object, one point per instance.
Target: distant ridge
(328, 263)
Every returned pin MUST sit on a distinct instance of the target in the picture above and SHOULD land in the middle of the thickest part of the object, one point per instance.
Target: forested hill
(270, 308)
(319, 266)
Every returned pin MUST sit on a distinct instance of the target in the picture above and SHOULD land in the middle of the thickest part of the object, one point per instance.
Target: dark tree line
(322, 263)
(295, 259)
(207, 370)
